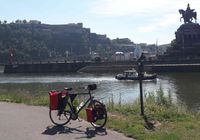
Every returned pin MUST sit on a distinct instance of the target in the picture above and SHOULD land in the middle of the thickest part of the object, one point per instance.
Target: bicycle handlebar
(89, 87)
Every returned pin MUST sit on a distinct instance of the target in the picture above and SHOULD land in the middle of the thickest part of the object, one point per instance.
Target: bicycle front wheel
(99, 114)
(60, 118)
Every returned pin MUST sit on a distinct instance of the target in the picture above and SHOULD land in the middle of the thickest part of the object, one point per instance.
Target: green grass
(31, 94)
(163, 120)
(29, 100)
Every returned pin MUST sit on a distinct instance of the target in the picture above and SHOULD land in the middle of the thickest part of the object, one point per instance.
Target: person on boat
(126, 75)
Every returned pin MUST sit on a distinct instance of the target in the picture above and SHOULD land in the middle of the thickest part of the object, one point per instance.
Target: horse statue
(188, 15)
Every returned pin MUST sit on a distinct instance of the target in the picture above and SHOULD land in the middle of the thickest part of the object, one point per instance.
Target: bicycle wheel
(99, 114)
(60, 118)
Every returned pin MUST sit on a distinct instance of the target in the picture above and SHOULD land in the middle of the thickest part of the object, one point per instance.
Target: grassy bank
(28, 95)
(163, 120)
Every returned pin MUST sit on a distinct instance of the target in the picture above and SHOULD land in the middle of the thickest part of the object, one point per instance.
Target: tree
(24, 21)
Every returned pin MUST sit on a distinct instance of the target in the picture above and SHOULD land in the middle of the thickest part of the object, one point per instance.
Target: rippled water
(184, 86)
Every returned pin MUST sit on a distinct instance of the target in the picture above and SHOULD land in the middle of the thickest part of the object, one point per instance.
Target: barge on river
(133, 75)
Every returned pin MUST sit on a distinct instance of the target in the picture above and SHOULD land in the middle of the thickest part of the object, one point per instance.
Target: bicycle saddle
(68, 89)
(92, 87)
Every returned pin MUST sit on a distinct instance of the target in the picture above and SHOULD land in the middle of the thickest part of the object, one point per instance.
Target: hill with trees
(34, 41)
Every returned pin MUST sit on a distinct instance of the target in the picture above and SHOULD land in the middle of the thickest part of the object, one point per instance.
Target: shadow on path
(88, 133)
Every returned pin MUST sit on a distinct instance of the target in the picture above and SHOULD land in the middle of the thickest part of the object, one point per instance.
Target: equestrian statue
(188, 15)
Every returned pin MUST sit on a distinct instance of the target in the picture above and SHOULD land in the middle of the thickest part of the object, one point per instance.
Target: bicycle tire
(61, 119)
(99, 120)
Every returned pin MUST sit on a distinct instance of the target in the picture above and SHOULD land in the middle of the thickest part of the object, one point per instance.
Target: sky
(142, 21)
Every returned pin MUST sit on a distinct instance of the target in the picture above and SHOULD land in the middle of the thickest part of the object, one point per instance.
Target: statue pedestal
(188, 39)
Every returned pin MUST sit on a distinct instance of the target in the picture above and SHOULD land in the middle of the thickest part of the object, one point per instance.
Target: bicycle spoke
(100, 114)
(60, 118)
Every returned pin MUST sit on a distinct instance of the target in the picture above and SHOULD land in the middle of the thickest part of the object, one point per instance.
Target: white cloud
(165, 21)
(117, 8)
(129, 7)
(148, 28)
(159, 17)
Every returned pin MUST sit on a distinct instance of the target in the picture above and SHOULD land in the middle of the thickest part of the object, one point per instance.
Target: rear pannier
(53, 95)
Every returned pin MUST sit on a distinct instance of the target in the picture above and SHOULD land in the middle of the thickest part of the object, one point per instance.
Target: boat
(132, 74)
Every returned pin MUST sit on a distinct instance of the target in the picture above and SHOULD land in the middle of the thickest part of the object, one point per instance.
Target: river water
(185, 87)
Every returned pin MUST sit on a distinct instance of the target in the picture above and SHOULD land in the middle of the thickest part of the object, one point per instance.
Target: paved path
(22, 122)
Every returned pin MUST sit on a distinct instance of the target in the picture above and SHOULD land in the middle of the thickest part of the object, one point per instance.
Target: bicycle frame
(85, 103)
(89, 100)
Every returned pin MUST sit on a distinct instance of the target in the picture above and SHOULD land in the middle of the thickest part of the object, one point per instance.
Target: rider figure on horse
(188, 14)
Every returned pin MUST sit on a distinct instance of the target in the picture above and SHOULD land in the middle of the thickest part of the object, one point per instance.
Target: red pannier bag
(89, 112)
(100, 111)
(53, 97)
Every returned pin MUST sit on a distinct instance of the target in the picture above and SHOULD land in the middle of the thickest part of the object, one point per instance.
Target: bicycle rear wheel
(99, 114)
(60, 118)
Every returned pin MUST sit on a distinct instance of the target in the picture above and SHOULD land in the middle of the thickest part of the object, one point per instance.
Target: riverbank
(105, 69)
(101, 67)
(154, 68)
(163, 119)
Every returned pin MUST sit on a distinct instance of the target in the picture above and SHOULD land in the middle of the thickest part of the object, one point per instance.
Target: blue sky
(143, 21)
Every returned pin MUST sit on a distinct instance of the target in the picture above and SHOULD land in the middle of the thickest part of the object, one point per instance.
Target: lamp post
(141, 75)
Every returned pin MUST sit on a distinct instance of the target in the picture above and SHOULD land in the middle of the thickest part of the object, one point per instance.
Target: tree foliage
(33, 41)
(39, 42)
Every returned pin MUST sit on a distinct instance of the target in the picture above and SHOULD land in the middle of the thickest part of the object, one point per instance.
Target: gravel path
(22, 122)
